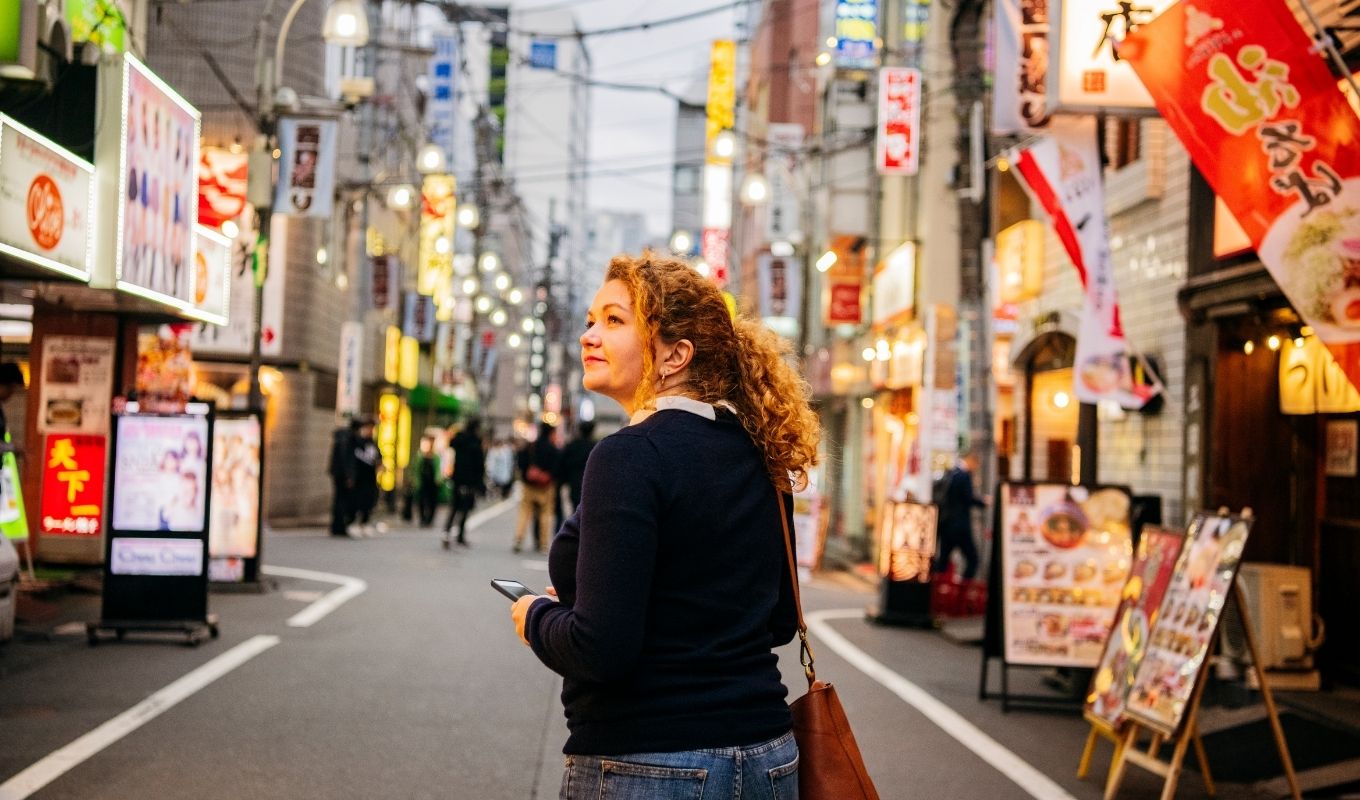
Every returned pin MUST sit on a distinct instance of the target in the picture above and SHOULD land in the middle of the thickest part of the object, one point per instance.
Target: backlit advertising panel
(159, 473)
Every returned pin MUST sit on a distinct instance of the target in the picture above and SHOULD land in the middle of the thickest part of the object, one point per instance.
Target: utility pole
(482, 150)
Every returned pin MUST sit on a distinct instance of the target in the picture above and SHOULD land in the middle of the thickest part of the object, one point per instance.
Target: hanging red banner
(1243, 87)
(72, 485)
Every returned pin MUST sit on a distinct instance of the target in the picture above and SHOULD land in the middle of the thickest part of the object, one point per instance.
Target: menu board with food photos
(1153, 565)
(1066, 552)
(1187, 621)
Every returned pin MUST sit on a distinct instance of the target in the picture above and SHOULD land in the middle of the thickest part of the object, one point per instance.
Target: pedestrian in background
(341, 469)
(364, 461)
(500, 467)
(671, 576)
(469, 478)
(572, 470)
(537, 468)
(953, 494)
(427, 481)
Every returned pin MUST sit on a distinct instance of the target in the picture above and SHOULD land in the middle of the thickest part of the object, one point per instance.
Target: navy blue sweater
(674, 589)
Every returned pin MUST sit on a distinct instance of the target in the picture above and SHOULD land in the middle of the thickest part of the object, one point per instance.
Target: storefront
(1270, 425)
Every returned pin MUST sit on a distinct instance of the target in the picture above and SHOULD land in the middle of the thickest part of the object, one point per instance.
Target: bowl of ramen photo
(1064, 525)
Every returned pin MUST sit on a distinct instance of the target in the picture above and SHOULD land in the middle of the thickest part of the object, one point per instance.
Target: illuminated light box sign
(147, 247)
(168, 557)
(211, 276)
(46, 203)
(72, 502)
(160, 472)
(1088, 76)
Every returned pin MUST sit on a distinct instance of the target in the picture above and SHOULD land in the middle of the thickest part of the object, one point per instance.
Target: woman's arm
(599, 637)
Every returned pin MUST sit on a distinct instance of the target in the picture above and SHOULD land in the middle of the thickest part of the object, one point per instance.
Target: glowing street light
(400, 197)
(498, 317)
(431, 159)
(754, 189)
(489, 262)
(515, 297)
(468, 216)
(502, 282)
(483, 304)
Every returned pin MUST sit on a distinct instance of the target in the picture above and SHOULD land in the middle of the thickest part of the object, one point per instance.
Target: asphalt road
(417, 687)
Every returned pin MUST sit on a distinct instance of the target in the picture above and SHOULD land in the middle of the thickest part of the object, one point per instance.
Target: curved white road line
(58, 763)
(1035, 783)
(477, 519)
(349, 589)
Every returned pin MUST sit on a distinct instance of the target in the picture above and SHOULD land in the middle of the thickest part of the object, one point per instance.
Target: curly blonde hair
(735, 360)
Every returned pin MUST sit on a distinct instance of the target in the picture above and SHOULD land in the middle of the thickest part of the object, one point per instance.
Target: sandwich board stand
(1059, 563)
(156, 550)
(906, 552)
(235, 521)
(1165, 695)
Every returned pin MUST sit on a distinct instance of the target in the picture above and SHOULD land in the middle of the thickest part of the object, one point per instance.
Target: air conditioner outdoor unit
(1279, 601)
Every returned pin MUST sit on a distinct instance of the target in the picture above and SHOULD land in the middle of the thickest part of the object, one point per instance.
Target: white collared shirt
(680, 402)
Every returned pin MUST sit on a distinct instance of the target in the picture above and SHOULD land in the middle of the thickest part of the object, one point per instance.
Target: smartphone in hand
(511, 589)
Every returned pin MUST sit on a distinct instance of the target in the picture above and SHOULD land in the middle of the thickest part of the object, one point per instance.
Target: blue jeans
(767, 771)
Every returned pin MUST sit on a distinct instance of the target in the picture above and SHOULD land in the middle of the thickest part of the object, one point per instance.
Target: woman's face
(611, 347)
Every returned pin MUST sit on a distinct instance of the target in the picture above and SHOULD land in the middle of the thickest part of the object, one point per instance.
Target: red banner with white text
(1256, 106)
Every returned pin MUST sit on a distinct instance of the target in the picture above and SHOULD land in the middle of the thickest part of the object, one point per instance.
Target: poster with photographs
(906, 541)
(233, 530)
(160, 471)
(160, 187)
(1066, 552)
(1187, 621)
(1153, 565)
(77, 382)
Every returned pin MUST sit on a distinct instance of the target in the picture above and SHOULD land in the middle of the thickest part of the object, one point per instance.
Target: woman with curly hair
(671, 581)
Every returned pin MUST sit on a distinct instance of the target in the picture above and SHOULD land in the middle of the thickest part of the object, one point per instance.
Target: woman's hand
(519, 612)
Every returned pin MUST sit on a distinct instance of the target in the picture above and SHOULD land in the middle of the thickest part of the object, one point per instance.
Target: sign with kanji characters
(899, 121)
(1019, 99)
(72, 485)
(1088, 73)
(1243, 87)
(857, 40)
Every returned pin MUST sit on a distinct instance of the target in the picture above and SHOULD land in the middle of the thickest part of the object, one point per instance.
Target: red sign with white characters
(899, 120)
(713, 249)
(72, 485)
(46, 215)
(1256, 106)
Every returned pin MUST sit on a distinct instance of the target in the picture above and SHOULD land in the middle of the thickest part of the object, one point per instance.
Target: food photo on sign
(1066, 553)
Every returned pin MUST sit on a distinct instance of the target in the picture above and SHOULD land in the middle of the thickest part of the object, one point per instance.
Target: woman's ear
(681, 353)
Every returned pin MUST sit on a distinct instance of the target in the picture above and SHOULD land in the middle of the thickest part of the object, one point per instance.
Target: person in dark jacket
(427, 481)
(957, 501)
(537, 463)
(364, 460)
(571, 471)
(673, 586)
(341, 470)
(469, 478)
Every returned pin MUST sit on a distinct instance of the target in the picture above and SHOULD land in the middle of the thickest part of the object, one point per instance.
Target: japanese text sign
(899, 121)
(1262, 118)
(856, 34)
(72, 485)
(1088, 72)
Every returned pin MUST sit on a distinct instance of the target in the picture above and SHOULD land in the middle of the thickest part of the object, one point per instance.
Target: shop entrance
(1051, 409)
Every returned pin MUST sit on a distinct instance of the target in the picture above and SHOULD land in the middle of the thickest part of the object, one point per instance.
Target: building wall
(1148, 203)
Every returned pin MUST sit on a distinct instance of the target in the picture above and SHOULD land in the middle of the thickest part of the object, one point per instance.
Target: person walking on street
(364, 461)
(469, 478)
(537, 468)
(572, 467)
(671, 581)
(956, 500)
(427, 481)
(341, 470)
(500, 467)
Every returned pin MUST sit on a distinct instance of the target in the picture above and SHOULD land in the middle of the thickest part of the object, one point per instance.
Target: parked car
(9, 587)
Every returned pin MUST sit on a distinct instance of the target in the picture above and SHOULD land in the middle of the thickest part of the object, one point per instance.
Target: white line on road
(1034, 782)
(349, 589)
(60, 762)
(491, 512)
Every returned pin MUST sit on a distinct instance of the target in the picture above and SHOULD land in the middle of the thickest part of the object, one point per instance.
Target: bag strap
(805, 656)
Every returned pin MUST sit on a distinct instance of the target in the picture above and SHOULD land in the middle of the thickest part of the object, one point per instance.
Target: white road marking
(489, 513)
(60, 762)
(349, 589)
(302, 595)
(534, 566)
(69, 629)
(1035, 783)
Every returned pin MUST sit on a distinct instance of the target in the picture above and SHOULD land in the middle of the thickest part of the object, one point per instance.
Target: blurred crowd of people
(459, 467)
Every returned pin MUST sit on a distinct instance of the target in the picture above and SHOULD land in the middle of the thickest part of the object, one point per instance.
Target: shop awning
(428, 397)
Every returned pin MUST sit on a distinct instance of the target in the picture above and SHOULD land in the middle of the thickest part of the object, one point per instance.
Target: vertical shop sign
(1088, 75)
(211, 279)
(389, 408)
(155, 190)
(441, 104)
(1243, 87)
(418, 318)
(898, 143)
(1062, 172)
(72, 485)
(782, 222)
(856, 25)
(895, 287)
(780, 292)
(46, 201)
(1019, 101)
(349, 382)
(384, 288)
(1342, 440)
(722, 96)
(306, 184)
(717, 208)
(76, 384)
(437, 207)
